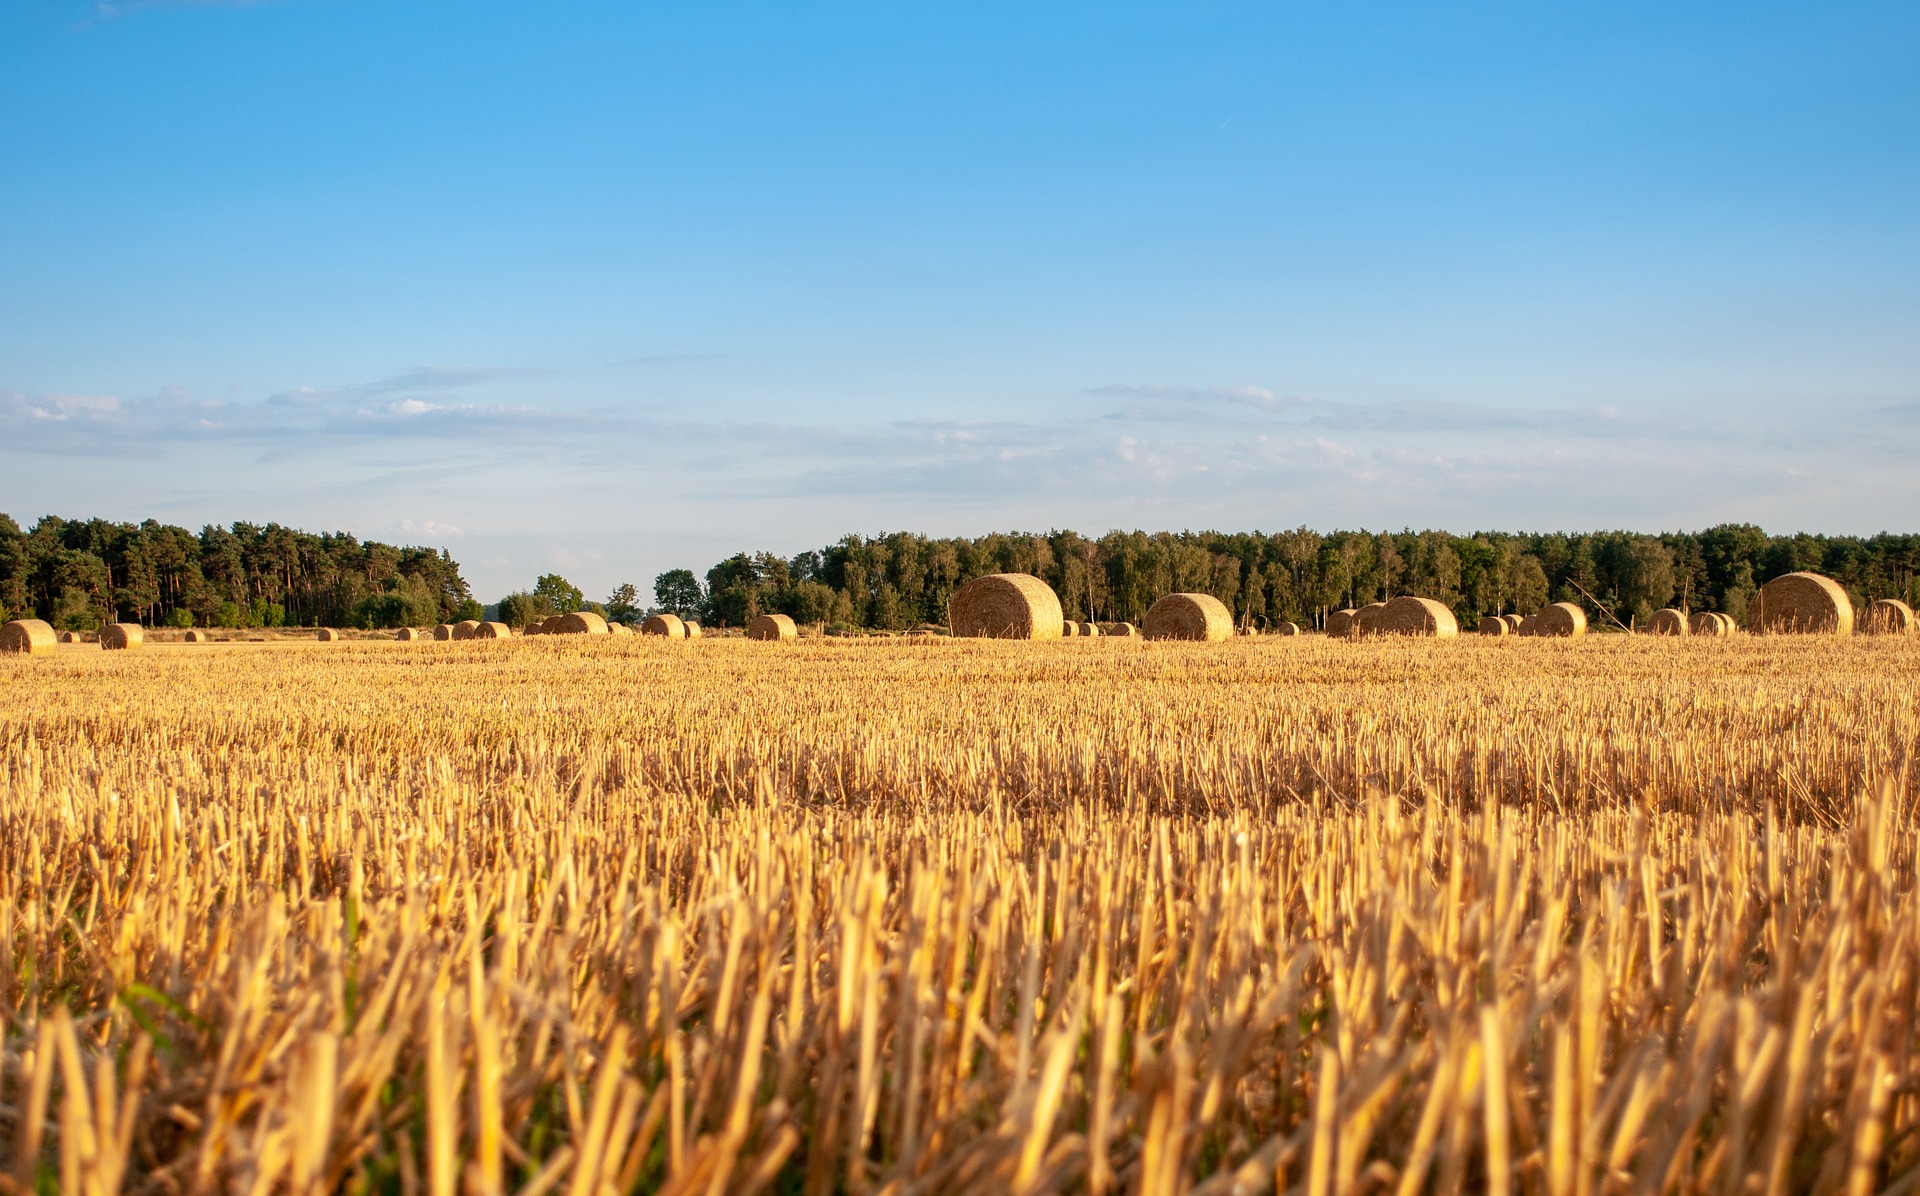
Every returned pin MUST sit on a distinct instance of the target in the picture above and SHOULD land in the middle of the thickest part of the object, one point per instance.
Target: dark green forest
(898, 581)
(77, 574)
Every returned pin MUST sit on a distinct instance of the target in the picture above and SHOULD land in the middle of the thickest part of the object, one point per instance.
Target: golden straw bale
(1801, 604)
(29, 636)
(1285, 629)
(1495, 625)
(580, 622)
(1514, 621)
(664, 624)
(492, 631)
(1089, 628)
(1340, 622)
(1408, 615)
(69, 637)
(1200, 617)
(619, 629)
(464, 629)
(1562, 620)
(1014, 606)
(443, 632)
(693, 629)
(196, 637)
(1123, 630)
(1667, 621)
(1365, 618)
(409, 633)
(1708, 623)
(326, 635)
(119, 637)
(1889, 616)
(1069, 629)
(772, 627)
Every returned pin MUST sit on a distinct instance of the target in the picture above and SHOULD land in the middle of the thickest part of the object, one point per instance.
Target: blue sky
(610, 288)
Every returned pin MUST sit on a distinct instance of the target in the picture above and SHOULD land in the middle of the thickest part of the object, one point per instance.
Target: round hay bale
(443, 632)
(1801, 604)
(1123, 630)
(1089, 628)
(664, 624)
(1285, 629)
(1514, 621)
(693, 629)
(1728, 623)
(1704, 622)
(69, 637)
(120, 637)
(619, 629)
(1667, 621)
(1069, 629)
(1495, 625)
(326, 635)
(1198, 617)
(1014, 606)
(409, 633)
(492, 631)
(196, 637)
(464, 629)
(1340, 622)
(580, 622)
(1408, 615)
(29, 636)
(1563, 620)
(772, 627)
(1366, 617)
(1889, 616)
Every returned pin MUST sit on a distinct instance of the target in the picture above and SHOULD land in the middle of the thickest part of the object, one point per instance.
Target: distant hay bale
(1069, 629)
(1514, 621)
(694, 631)
(326, 635)
(1702, 622)
(1667, 621)
(1285, 629)
(492, 631)
(1016, 606)
(1889, 616)
(619, 629)
(1801, 604)
(1340, 622)
(580, 622)
(1366, 617)
(443, 632)
(1123, 630)
(1728, 623)
(1562, 620)
(772, 627)
(1408, 615)
(1495, 625)
(121, 637)
(1198, 617)
(664, 624)
(1089, 628)
(69, 637)
(409, 633)
(464, 629)
(28, 636)
(196, 637)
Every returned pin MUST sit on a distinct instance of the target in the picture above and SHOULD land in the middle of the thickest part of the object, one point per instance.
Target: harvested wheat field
(586, 915)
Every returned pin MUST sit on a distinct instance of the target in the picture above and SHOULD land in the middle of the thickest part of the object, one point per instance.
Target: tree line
(898, 581)
(78, 574)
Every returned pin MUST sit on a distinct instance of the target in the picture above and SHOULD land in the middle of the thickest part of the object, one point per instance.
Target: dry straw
(1286, 629)
(1514, 621)
(492, 631)
(1705, 622)
(1015, 606)
(28, 636)
(409, 633)
(326, 635)
(1340, 622)
(119, 637)
(1889, 616)
(1408, 615)
(619, 629)
(1366, 617)
(664, 624)
(69, 637)
(1668, 621)
(694, 631)
(772, 627)
(1495, 625)
(1069, 629)
(1199, 617)
(1562, 620)
(196, 637)
(1122, 630)
(443, 632)
(1801, 604)
(1088, 628)
(464, 629)
(580, 622)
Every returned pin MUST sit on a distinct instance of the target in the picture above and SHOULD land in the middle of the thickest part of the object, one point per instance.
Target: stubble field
(1577, 918)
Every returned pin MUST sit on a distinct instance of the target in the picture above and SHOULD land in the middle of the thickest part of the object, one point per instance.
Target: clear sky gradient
(611, 288)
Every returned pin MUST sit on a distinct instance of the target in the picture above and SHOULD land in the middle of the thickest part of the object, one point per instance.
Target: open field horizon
(895, 915)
